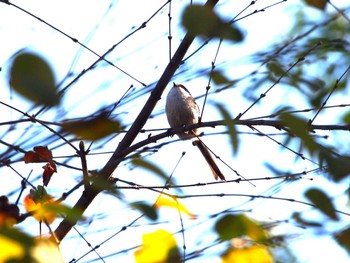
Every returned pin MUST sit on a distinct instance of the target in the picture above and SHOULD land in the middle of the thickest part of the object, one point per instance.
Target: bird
(182, 110)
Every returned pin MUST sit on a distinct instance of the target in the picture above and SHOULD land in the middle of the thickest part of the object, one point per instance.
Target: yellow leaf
(46, 251)
(93, 128)
(10, 249)
(42, 210)
(254, 253)
(158, 247)
(173, 203)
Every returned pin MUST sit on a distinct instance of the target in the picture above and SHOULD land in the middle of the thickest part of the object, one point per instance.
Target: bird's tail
(209, 158)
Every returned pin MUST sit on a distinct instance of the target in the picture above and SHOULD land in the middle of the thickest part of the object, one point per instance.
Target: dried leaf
(319, 4)
(39, 155)
(49, 169)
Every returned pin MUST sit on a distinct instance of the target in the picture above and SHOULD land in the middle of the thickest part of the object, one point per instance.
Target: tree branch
(89, 194)
(249, 123)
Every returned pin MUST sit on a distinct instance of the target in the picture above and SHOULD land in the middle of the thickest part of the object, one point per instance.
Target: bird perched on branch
(182, 110)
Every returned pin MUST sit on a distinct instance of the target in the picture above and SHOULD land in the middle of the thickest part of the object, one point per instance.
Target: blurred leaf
(201, 20)
(343, 239)
(145, 208)
(275, 68)
(39, 195)
(322, 202)
(70, 214)
(219, 78)
(15, 245)
(46, 251)
(332, 43)
(159, 246)
(319, 4)
(299, 128)
(93, 128)
(41, 208)
(10, 249)
(337, 166)
(101, 184)
(151, 167)
(318, 98)
(32, 77)
(346, 118)
(274, 169)
(230, 126)
(297, 217)
(9, 213)
(19, 247)
(231, 226)
(167, 202)
(283, 109)
(254, 253)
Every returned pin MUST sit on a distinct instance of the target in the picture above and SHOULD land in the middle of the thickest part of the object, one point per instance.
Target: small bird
(182, 110)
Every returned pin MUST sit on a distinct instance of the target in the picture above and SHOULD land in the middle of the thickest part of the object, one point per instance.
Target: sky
(144, 55)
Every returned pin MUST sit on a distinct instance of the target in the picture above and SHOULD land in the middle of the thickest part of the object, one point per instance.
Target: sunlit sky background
(145, 56)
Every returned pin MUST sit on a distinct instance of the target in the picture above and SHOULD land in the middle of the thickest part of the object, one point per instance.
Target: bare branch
(89, 194)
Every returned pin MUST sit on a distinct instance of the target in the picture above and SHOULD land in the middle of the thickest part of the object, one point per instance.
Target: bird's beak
(174, 83)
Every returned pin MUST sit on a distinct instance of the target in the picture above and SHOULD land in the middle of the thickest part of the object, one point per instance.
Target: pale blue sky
(144, 56)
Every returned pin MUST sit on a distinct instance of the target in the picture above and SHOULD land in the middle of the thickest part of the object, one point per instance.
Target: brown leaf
(42, 154)
(319, 4)
(9, 213)
(49, 169)
(39, 155)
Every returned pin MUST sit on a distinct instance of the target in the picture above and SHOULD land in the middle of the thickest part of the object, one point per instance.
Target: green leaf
(322, 202)
(319, 4)
(343, 239)
(32, 77)
(92, 129)
(149, 210)
(337, 166)
(201, 20)
(231, 226)
(276, 69)
(297, 217)
(299, 128)
(39, 195)
(219, 78)
(230, 126)
(151, 167)
(346, 118)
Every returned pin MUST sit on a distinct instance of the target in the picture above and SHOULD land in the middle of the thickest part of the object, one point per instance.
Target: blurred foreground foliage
(245, 239)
